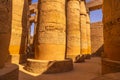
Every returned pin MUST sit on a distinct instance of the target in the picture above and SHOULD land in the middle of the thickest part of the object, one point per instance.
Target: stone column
(83, 28)
(73, 30)
(8, 71)
(19, 30)
(88, 36)
(51, 39)
(111, 20)
(4, 31)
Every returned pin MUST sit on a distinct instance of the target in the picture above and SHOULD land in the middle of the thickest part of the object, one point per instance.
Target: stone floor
(82, 71)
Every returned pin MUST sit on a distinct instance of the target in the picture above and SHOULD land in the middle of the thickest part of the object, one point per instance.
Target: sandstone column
(51, 39)
(4, 31)
(73, 29)
(111, 20)
(83, 28)
(51, 33)
(19, 30)
(6, 70)
(88, 36)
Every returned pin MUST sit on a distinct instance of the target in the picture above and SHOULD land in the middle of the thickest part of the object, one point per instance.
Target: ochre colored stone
(97, 38)
(44, 66)
(84, 45)
(51, 32)
(111, 29)
(4, 30)
(19, 27)
(88, 34)
(83, 27)
(73, 29)
(83, 7)
(111, 20)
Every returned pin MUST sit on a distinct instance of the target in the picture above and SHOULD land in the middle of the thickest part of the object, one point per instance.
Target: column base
(77, 59)
(18, 58)
(47, 67)
(110, 66)
(9, 72)
(87, 56)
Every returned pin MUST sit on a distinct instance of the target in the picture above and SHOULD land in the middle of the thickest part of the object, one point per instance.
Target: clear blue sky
(95, 16)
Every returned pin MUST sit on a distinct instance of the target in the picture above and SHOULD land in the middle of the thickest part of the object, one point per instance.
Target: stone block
(44, 66)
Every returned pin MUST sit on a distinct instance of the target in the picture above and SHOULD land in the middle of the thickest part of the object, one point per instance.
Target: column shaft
(5, 27)
(83, 29)
(51, 32)
(88, 34)
(73, 29)
(19, 28)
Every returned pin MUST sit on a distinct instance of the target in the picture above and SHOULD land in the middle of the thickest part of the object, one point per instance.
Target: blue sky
(95, 16)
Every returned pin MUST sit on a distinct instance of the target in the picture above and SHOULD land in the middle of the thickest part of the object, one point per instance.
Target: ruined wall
(97, 38)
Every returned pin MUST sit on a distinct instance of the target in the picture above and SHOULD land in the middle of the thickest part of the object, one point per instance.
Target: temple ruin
(65, 44)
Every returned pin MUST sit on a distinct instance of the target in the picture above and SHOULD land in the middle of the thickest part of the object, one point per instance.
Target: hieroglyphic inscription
(53, 33)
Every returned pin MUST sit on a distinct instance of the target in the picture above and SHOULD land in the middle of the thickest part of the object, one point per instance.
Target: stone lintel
(94, 4)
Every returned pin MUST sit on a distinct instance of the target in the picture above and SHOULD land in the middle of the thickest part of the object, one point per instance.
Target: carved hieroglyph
(19, 25)
(111, 19)
(4, 30)
(73, 28)
(51, 35)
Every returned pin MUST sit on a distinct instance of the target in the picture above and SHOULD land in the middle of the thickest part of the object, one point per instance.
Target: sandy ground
(82, 71)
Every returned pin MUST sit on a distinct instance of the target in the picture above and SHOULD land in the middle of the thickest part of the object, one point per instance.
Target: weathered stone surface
(97, 38)
(4, 30)
(9, 72)
(43, 66)
(73, 29)
(17, 58)
(111, 20)
(88, 34)
(84, 44)
(83, 27)
(83, 7)
(19, 27)
(51, 32)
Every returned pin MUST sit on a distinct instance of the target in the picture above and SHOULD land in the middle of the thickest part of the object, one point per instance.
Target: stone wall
(97, 38)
